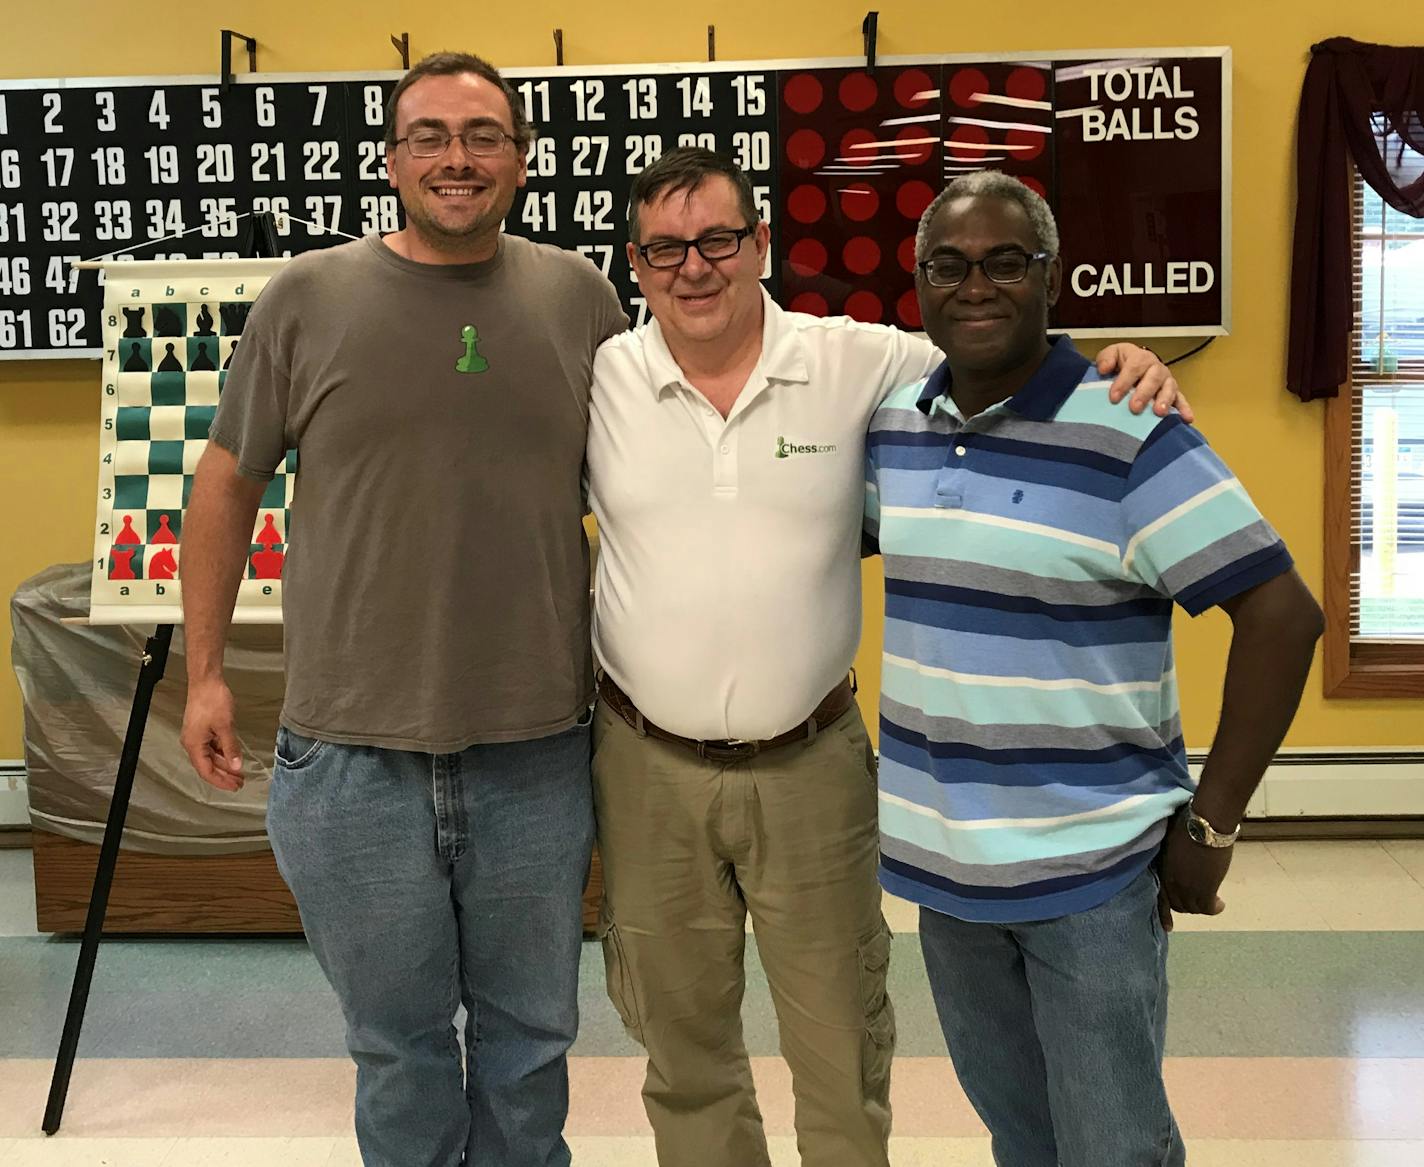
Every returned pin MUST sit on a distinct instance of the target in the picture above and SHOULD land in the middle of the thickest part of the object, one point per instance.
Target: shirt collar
(1040, 399)
(783, 356)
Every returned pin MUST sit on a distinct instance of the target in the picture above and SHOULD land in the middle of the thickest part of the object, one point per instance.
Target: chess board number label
(705, 141)
(164, 218)
(375, 105)
(318, 93)
(9, 169)
(15, 329)
(641, 305)
(158, 109)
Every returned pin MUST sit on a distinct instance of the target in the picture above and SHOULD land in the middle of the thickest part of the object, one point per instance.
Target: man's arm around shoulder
(217, 532)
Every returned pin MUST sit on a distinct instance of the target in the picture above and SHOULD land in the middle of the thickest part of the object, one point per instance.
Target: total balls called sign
(1131, 151)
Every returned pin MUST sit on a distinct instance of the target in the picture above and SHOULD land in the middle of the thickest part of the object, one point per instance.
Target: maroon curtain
(1359, 101)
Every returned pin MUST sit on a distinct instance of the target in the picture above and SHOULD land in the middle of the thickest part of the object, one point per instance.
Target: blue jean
(1056, 1028)
(430, 880)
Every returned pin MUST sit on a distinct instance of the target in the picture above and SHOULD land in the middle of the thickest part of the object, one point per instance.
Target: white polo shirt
(727, 598)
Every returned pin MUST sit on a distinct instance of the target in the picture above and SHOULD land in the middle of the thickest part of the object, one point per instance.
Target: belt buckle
(731, 750)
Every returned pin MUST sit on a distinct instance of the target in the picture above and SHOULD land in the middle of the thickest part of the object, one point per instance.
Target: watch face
(1195, 831)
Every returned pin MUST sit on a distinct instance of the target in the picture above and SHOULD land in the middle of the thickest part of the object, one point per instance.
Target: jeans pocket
(294, 751)
(619, 976)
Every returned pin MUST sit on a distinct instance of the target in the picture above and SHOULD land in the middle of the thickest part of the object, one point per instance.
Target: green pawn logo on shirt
(471, 362)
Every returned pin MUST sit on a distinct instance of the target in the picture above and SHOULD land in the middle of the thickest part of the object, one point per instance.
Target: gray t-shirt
(435, 592)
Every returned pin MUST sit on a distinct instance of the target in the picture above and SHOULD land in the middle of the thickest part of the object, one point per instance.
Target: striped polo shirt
(1031, 750)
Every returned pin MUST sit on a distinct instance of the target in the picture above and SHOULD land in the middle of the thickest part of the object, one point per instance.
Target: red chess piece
(121, 566)
(164, 534)
(267, 538)
(267, 564)
(164, 565)
(128, 537)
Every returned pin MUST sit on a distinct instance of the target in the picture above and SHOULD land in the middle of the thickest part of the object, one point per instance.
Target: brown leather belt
(834, 705)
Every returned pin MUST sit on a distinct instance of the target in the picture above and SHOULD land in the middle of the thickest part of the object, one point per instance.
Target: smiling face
(986, 328)
(454, 203)
(701, 301)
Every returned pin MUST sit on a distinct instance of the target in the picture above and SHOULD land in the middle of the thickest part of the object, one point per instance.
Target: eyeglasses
(1002, 267)
(431, 141)
(712, 246)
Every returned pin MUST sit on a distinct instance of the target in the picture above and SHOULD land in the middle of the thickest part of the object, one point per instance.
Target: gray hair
(993, 184)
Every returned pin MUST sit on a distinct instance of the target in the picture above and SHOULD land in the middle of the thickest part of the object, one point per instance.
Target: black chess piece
(202, 363)
(234, 317)
(205, 322)
(227, 364)
(135, 319)
(166, 323)
(170, 363)
(135, 362)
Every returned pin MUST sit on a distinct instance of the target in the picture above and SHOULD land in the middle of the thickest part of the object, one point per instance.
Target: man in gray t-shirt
(430, 804)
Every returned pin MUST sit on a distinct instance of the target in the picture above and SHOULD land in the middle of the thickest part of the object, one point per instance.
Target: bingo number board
(1130, 148)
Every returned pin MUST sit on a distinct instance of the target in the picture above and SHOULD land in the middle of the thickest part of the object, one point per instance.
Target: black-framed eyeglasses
(712, 246)
(432, 141)
(1008, 266)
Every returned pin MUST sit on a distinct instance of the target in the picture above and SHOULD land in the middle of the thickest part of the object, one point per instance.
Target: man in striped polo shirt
(1034, 792)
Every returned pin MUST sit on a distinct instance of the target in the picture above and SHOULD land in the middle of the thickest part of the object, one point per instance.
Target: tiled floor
(1296, 1038)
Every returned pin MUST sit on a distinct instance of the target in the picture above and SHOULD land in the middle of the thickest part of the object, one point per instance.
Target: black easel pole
(155, 659)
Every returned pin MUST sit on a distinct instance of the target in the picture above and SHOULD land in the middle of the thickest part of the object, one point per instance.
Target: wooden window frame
(1355, 668)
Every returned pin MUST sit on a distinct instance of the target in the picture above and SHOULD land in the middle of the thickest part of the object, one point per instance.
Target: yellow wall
(49, 411)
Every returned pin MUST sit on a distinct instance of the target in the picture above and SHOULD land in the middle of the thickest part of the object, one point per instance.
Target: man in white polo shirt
(732, 770)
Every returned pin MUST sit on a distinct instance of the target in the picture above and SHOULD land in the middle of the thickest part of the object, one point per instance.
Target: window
(1374, 509)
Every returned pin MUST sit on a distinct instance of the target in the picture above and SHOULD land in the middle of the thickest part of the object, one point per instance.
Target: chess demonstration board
(170, 330)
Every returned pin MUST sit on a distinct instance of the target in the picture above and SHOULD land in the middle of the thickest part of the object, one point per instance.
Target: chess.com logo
(785, 449)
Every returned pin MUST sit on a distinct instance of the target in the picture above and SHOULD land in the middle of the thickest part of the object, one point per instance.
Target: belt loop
(638, 726)
(811, 729)
(854, 687)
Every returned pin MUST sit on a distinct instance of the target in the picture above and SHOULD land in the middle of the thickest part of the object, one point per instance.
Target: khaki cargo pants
(688, 848)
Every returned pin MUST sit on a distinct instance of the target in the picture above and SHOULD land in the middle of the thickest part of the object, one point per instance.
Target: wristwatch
(1202, 832)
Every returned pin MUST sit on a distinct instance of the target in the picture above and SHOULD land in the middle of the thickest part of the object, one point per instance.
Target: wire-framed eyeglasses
(1008, 266)
(432, 141)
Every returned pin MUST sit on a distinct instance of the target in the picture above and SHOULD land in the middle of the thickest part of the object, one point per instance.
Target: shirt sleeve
(915, 358)
(612, 318)
(251, 419)
(1190, 530)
